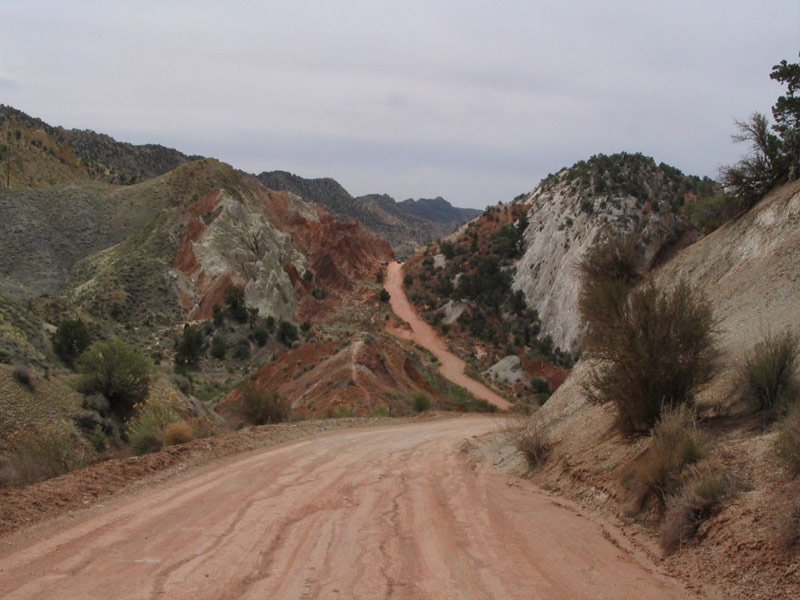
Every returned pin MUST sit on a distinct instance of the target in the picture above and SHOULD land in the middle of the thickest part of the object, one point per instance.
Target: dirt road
(452, 366)
(391, 512)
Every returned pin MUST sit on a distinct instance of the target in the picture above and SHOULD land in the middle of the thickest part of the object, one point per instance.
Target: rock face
(231, 243)
(574, 209)
(266, 241)
(748, 270)
(507, 370)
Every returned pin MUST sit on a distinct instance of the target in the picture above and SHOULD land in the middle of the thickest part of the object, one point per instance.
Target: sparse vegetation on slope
(652, 346)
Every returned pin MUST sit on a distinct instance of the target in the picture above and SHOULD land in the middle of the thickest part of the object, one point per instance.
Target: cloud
(8, 84)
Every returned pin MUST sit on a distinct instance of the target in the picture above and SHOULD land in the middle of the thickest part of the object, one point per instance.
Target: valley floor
(391, 512)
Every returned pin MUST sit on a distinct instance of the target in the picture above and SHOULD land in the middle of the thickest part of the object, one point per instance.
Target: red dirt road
(392, 512)
(452, 366)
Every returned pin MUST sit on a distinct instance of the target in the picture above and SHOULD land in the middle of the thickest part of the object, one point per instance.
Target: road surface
(452, 367)
(394, 512)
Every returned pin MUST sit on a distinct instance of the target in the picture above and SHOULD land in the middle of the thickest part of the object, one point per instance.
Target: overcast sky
(472, 100)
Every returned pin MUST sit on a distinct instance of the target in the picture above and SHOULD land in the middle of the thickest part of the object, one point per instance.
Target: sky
(471, 100)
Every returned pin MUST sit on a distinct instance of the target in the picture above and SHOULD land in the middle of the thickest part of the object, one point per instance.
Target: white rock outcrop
(563, 224)
(508, 370)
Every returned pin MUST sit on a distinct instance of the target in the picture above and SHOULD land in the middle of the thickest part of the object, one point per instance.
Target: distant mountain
(40, 154)
(405, 225)
(438, 210)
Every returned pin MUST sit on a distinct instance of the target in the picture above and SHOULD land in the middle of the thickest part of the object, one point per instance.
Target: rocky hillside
(164, 251)
(747, 269)
(216, 227)
(406, 225)
(35, 153)
(573, 209)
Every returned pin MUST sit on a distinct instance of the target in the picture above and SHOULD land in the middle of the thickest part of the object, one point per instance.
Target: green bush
(190, 346)
(241, 349)
(218, 315)
(711, 212)
(287, 332)
(540, 385)
(234, 298)
(421, 401)
(384, 296)
(261, 335)
(261, 406)
(609, 271)
(70, 340)
(219, 347)
(117, 371)
(769, 371)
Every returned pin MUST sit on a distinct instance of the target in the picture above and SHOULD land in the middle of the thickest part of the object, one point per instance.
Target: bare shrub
(656, 347)
(699, 499)
(608, 272)
(675, 444)
(787, 445)
(769, 370)
(532, 437)
(44, 453)
(178, 433)
(261, 406)
(24, 376)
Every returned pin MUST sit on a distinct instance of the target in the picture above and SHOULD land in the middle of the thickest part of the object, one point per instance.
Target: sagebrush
(651, 351)
(261, 406)
(769, 370)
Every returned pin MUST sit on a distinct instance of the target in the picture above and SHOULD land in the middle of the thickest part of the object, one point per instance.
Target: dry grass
(531, 436)
(178, 433)
(676, 443)
(43, 453)
(701, 497)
